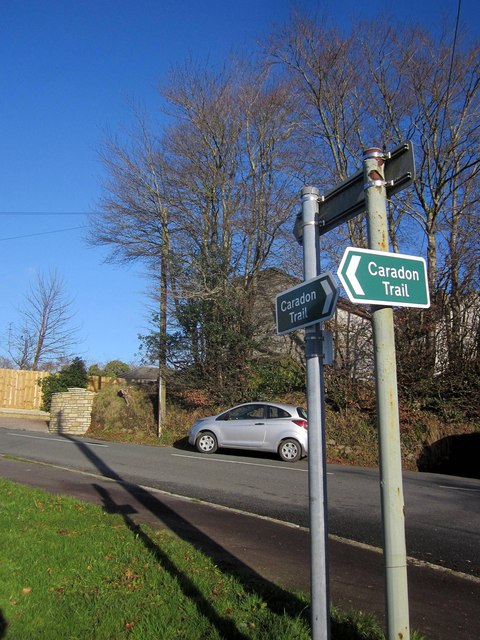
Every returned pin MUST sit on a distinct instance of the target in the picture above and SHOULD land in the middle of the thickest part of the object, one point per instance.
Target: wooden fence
(95, 383)
(19, 389)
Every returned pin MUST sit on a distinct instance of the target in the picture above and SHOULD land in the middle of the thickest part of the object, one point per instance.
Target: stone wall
(71, 411)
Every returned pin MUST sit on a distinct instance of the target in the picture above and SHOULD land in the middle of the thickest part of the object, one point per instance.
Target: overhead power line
(42, 233)
(450, 71)
(49, 213)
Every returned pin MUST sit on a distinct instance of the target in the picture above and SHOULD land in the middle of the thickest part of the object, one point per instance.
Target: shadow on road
(223, 625)
(455, 455)
(278, 600)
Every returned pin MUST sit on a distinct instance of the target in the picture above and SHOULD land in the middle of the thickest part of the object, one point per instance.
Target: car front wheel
(206, 442)
(290, 450)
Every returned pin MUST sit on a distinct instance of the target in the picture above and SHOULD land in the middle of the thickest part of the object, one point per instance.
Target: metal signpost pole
(387, 415)
(320, 617)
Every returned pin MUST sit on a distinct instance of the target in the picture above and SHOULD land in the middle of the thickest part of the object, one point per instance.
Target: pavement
(31, 419)
(443, 605)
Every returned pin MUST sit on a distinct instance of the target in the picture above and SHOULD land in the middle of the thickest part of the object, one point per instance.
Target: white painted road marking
(64, 440)
(251, 464)
(446, 486)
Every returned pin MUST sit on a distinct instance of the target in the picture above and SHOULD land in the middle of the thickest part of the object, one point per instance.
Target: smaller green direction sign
(306, 304)
(379, 277)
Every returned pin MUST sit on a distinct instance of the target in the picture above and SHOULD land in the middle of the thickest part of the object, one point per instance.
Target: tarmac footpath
(443, 605)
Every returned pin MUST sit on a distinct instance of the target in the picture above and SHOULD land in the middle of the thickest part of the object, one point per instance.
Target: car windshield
(302, 412)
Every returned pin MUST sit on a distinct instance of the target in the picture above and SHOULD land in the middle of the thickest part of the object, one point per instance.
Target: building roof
(141, 374)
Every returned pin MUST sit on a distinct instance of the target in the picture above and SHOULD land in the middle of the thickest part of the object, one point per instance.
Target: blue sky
(68, 70)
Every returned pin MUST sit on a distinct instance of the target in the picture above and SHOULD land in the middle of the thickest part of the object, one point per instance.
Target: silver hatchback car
(260, 426)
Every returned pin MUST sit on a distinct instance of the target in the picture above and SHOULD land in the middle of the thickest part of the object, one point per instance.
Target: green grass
(69, 570)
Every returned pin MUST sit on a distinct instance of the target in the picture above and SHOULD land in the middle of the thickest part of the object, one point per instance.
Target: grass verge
(69, 570)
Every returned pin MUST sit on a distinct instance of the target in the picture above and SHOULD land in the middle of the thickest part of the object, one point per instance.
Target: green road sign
(378, 277)
(306, 304)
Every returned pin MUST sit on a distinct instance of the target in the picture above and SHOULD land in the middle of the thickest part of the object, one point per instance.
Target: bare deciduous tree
(383, 84)
(429, 91)
(205, 202)
(135, 222)
(327, 72)
(45, 331)
(232, 171)
(209, 197)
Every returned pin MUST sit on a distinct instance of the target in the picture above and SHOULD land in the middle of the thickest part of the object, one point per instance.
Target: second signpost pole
(391, 485)
(316, 432)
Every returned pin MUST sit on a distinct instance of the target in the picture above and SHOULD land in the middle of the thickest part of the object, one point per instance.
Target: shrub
(111, 370)
(127, 412)
(73, 375)
(273, 378)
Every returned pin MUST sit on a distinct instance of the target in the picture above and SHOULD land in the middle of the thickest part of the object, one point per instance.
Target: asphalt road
(442, 512)
(443, 605)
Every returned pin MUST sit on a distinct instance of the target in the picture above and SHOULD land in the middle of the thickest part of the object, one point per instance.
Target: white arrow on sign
(329, 294)
(351, 275)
